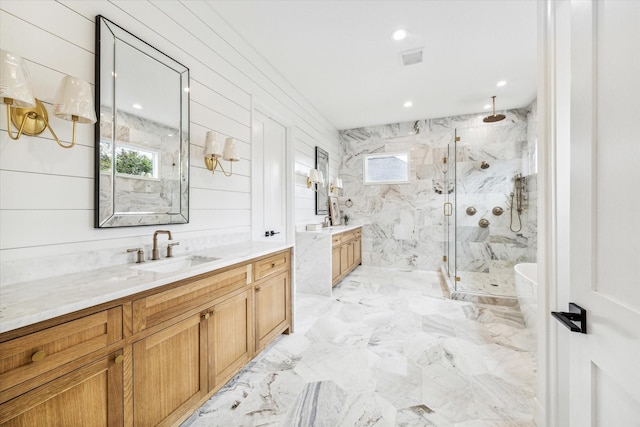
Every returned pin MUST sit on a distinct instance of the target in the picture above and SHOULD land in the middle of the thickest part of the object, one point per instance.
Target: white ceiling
(341, 57)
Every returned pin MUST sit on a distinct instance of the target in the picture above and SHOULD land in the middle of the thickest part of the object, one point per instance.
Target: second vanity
(326, 256)
(99, 346)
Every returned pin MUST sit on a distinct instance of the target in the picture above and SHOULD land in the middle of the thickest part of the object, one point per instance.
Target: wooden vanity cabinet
(346, 253)
(272, 300)
(69, 373)
(149, 359)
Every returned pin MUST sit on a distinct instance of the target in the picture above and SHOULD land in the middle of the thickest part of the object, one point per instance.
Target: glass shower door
(449, 179)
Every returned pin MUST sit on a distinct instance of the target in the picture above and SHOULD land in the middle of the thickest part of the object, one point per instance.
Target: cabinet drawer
(348, 235)
(359, 232)
(24, 358)
(273, 265)
(166, 305)
(336, 240)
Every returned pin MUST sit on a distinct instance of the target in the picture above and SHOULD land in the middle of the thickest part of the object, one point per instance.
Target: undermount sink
(175, 264)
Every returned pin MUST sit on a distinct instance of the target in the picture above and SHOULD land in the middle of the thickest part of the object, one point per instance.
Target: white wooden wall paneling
(42, 155)
(208, 118)
(41, 191)
(21, 37)
(203, 178)
(204, 198)
(208, 97)
(67, 25)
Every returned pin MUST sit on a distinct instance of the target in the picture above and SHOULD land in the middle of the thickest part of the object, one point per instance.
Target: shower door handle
(450, 211)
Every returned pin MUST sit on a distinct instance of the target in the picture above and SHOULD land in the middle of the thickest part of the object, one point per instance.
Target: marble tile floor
(494, 284)
(387, 349)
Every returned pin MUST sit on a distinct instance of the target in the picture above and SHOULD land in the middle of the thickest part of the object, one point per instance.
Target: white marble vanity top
(333, 230)
(26, 303)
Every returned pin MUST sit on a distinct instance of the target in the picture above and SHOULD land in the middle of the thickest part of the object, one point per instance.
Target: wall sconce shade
(315, 179)
(213, 152)
(212, 146)
(74, 98)
(15, 85)
(336, 183)
(231, 150)
(73, 101)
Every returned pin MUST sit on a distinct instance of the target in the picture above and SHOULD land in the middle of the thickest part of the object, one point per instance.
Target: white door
(603, 210)
(269, 195)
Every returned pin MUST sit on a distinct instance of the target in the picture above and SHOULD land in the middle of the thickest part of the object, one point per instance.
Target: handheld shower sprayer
(519, 186)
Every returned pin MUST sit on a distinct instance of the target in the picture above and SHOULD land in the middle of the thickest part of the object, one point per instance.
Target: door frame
(546, 406)
(259, 105)
(554, 19)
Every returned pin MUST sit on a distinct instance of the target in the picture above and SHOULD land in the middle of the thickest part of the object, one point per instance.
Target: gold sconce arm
(213, 162)
(33, 121)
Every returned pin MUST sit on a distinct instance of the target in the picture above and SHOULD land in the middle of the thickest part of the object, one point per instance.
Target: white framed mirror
(142, 133)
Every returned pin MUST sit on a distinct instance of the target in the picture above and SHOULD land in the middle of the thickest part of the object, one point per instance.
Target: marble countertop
(26, 303)
(333, 230)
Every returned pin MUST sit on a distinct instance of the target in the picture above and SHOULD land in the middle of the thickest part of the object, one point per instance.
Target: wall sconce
(73, 101)
(336, 184)
(315, 179)
(213, 152)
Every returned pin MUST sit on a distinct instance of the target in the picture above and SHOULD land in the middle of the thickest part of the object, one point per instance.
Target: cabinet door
(34, 356)
(169, 372)
(357, 251)
(89, 396)
(230, 337)
(335, 265)
(350, 255)
(272, 308)
(344, 258)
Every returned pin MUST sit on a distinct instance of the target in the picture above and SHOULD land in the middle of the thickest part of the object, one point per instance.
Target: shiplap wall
(46, 192)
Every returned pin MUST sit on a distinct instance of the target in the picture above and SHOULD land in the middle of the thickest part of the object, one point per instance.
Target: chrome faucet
(325, 221)
(154, 253)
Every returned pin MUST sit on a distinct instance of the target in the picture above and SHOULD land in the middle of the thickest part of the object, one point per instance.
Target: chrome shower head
(494, 117)
(484, 165)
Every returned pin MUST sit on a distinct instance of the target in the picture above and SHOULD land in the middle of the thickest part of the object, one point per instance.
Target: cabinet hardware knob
(38, 356)
(119, 358)
(206, 315)
(257, 288)
(273, 264)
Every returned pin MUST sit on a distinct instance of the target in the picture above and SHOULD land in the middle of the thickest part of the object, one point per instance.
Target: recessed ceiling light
(501, 83)
(399, 34)
(408, 104)
(137, 106)
(487, 106)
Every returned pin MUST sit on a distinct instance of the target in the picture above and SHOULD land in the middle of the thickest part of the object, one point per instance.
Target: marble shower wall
(403, 224)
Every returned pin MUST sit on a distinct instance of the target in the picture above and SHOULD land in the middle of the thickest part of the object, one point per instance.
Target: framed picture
(334, 208)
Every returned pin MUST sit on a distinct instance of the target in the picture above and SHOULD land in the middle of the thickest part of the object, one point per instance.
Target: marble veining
(387, 349)
(406, 225)
(313, 259)
(25, 303)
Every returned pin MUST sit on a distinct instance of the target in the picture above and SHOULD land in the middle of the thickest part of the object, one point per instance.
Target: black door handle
(569, 319)
(271, 233)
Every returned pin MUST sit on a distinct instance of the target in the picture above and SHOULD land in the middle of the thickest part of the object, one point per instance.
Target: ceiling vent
(411, 57)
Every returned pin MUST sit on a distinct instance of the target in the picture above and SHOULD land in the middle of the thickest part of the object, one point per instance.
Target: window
(131, 161)
(386, 168)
